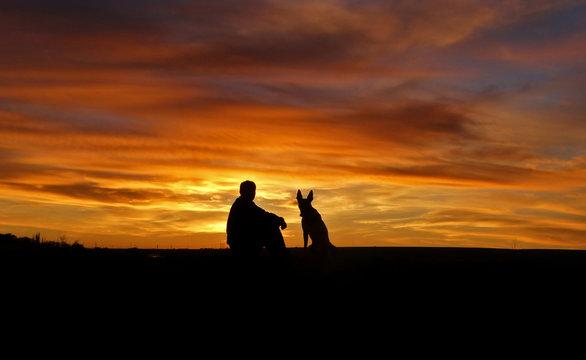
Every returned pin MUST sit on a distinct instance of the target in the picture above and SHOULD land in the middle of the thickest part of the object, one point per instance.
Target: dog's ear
(310, 196)
(299, 196)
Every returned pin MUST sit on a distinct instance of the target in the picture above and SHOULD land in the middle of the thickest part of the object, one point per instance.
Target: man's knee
(245, 249)
(274, 239)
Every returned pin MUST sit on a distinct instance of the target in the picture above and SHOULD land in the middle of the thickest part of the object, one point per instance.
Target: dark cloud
(17, 168)
(411, 123)
(75, 18)
(446, 172)
(550, 24)
(23, 117)
(71, 35)
(198, 36)
(93, 191)
(481, 172)
(265, 51)
(108, 195)
(231, 35)
(493, 152)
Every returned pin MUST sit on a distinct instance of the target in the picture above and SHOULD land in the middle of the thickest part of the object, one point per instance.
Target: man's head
(248, 190)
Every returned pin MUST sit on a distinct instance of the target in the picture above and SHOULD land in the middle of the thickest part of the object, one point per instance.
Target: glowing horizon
(132, 123)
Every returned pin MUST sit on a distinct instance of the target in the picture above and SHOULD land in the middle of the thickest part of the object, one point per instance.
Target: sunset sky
(131, 123)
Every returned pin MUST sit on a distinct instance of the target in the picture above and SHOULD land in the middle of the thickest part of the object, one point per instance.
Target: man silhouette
(251, 228)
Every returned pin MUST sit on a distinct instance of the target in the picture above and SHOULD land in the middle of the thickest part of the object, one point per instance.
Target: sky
(131, 123)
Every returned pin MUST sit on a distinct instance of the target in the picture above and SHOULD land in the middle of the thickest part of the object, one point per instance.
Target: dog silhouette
(313, 226)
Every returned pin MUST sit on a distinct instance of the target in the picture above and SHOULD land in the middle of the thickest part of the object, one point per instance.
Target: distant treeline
(11, 241)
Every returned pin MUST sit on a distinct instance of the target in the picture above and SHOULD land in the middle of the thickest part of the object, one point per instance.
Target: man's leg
(246, 248)
(274, 241)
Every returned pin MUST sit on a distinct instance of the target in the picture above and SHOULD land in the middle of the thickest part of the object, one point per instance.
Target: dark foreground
(374, 285)
(350, 272)
(365, 299)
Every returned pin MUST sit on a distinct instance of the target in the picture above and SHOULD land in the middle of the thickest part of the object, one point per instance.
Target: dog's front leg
(305, 236)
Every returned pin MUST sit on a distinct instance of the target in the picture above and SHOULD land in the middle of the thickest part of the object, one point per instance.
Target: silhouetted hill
(397, 281)
(370, 268)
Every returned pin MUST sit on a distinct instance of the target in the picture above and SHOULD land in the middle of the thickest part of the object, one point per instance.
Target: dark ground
(350, 272)
(406, 289)
(361, 302)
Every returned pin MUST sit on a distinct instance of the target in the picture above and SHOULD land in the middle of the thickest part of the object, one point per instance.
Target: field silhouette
(353, 275)
(361, 295)
(358, 294)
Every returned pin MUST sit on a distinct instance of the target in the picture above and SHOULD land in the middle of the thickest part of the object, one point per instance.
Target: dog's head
(304, 204)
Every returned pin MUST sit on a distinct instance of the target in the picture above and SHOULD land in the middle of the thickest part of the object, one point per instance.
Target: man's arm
(270, 217)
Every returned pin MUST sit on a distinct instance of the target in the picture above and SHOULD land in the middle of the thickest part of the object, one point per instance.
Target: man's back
(240, 221)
